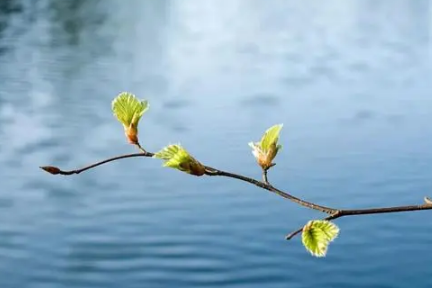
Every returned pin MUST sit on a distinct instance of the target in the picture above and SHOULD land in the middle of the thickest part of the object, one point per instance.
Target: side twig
(56, 171)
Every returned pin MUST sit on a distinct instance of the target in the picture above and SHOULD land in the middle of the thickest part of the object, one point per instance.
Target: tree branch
(128, 110)
(210, 171)
(215, 172)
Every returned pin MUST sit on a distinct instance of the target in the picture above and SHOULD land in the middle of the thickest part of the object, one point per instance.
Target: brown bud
(51, 169)
(265, 159)
(132, 134)
(193, 167)
(262, 161)
(197, 168)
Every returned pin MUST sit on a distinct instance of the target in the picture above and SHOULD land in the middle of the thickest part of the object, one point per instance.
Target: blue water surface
(350, 80)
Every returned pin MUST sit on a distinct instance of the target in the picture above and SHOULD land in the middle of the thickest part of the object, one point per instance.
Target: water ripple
(350, 86)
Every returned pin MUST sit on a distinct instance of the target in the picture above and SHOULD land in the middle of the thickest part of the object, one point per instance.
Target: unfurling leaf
(317, 235)
(177, 157)
(266, 150)
(129, 110)
(271, 137)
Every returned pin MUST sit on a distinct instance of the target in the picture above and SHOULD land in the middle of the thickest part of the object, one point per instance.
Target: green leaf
(173, 155)
(271, 136)
(177, 157)
(168, 152)
(266, 150)
(128, 109)
(317, 235)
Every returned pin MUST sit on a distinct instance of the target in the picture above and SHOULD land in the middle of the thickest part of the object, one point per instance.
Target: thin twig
(141, 148)
(56, 171)
(268, 187)
(209, 171)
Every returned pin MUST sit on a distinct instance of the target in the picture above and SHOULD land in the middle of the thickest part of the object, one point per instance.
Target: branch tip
(51, 169)
(292, 234)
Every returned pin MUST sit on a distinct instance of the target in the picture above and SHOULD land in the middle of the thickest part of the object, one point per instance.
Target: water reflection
(350, 82)
(70, 19)
(7, 10)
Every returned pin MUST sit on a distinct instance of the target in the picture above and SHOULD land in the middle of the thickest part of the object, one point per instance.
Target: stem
(56, 171)
(209, 171)
(264, 176)
(268, 187)
(141, 148)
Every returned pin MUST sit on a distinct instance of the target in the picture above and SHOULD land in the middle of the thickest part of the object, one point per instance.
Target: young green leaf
(129, 110)
(266, 150)
(168, 152)
(317, 235)
(271, 136)
(177, 157)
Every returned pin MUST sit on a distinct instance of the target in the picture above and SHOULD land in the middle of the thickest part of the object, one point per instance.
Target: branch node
(140, 148)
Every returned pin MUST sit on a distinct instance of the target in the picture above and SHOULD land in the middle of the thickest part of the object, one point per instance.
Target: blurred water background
(350, 80)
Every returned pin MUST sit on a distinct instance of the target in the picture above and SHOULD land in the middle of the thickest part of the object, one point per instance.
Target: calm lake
(350, 80)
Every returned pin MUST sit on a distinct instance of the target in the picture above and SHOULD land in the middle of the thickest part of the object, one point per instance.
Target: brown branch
(56, 171)
(209, 171)
(215, 172)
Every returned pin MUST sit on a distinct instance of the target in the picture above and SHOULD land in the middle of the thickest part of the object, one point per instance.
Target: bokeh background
(350, 80)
